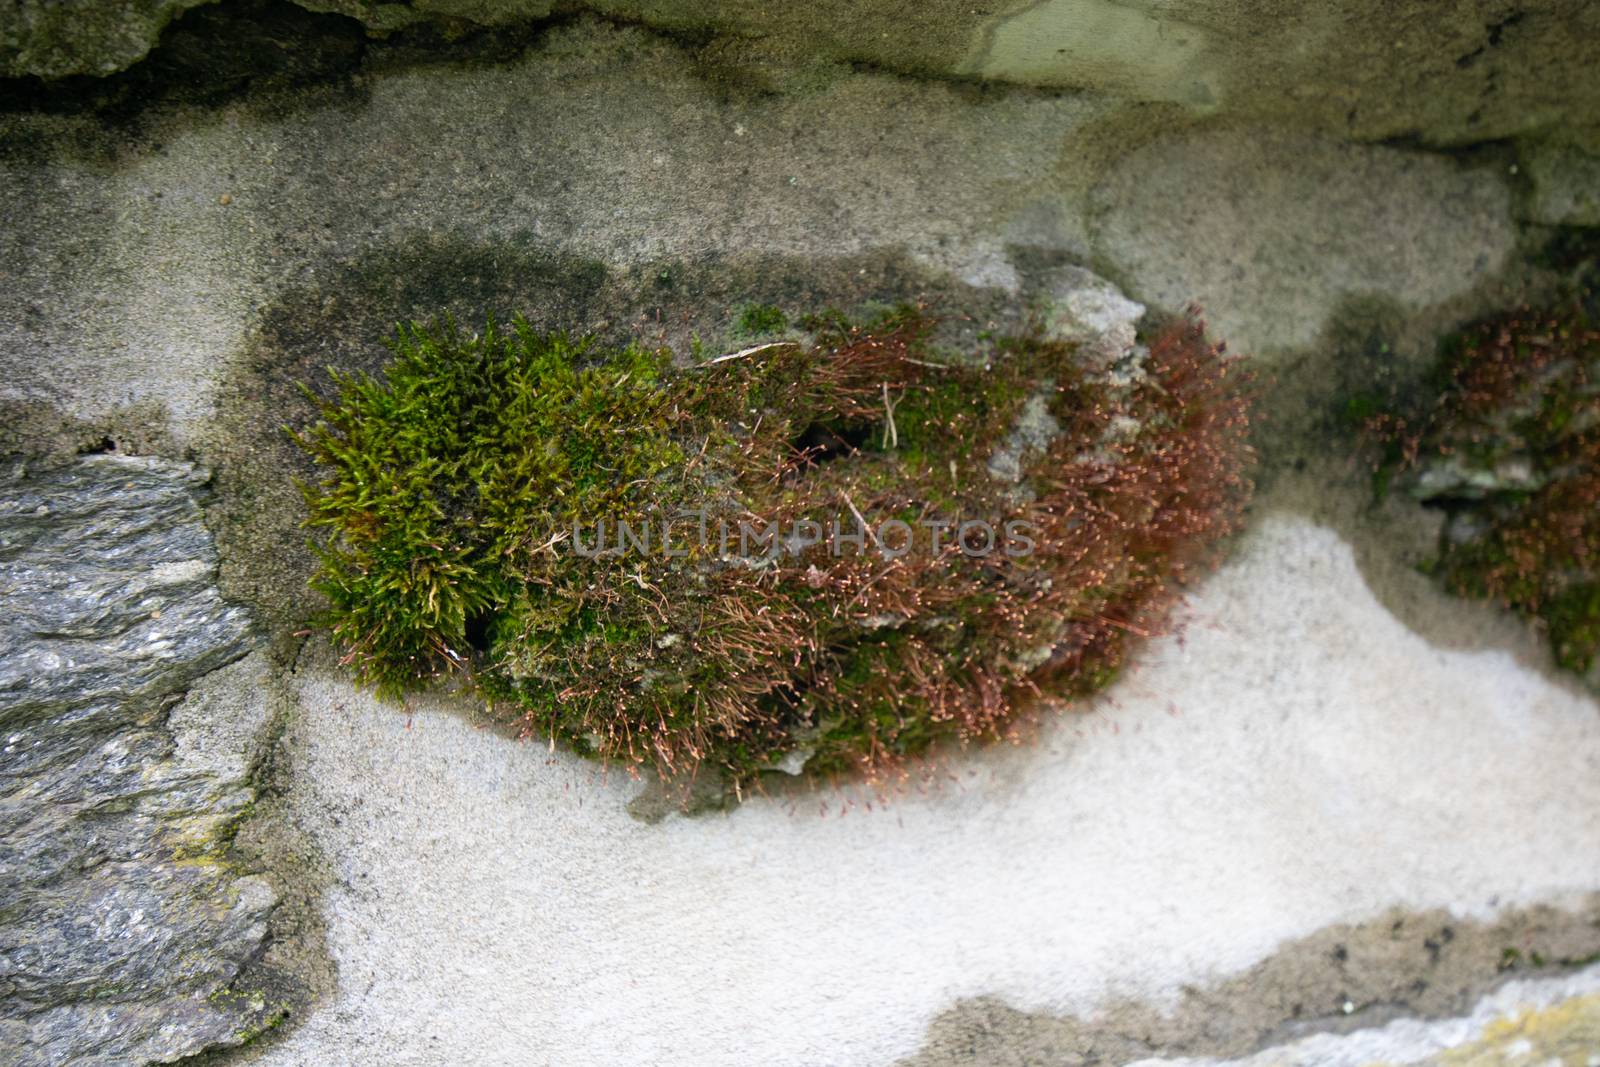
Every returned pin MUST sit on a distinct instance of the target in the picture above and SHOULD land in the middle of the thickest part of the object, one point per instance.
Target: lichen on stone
(794, 557)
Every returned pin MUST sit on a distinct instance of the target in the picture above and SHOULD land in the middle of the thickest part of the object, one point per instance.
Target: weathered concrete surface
(1271, 230)
(203, 262)
(1298, 759)
(122, 926)
(138, 281)
(133, 277)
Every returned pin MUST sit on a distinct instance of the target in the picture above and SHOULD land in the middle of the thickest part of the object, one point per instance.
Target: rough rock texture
(1270, 229)
(1368, 68)
(1562, 175)
(122, 925)
(1537, 1023)
(384, 17)
(52, 39)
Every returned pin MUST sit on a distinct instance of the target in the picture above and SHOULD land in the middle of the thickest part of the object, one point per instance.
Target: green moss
(757, 320)
(557, 523)
(469, 453)
(1573, 616)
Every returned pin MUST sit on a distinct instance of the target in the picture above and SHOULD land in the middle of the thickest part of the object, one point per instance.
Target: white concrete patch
(1297, 758)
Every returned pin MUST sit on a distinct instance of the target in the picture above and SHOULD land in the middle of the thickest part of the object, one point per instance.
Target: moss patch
(756, 320)
(795, 554)
(1510, 448)
(339, 321)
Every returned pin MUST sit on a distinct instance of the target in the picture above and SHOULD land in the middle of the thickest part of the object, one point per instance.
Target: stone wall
(1336, 814)
(1359, 68)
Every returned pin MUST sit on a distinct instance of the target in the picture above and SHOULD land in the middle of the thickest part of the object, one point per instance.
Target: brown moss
(785, 572)
(1510, 446)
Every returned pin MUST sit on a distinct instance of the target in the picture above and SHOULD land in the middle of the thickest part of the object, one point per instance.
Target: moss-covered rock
(1509, 446)
(821, 555)
(53, 40)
